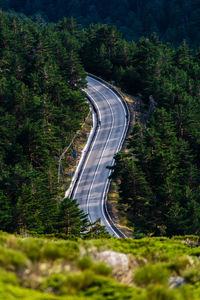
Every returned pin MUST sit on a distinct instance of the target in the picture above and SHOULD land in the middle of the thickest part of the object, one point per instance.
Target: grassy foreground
(43, 268)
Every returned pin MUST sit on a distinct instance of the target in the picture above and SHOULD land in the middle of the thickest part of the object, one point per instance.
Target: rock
(117, 261)
(175, 282)
(119, 264)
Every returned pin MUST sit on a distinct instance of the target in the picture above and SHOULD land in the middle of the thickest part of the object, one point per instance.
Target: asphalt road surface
(91, 188)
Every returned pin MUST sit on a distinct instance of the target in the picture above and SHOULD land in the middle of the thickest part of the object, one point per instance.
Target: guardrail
(69, 193)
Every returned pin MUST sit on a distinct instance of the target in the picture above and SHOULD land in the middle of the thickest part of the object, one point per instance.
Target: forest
(158, 179)
(172, 20)
(42, 73)
(42, 105)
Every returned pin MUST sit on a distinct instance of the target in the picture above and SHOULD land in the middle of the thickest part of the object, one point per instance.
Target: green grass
(43, 268)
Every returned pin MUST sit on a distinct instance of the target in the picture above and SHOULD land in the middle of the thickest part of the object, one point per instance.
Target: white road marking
(93, 144)
(102, 154)
(112, 163)
(101, 157)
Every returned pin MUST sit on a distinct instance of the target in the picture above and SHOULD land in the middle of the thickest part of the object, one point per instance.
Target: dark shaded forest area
(172, 20)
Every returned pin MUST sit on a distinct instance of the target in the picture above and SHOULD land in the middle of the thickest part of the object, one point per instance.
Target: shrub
(85, 263)
(8, 278)
(179, 264)
(102, 269)
(60, 249)
(12, 259)
(3, 238)
(192, 275)
(195, 251)
(151, 274)
(53, 283)
(79, 282)
(158, 292)
(32, 247)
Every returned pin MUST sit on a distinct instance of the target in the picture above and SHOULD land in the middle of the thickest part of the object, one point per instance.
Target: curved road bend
(90, 190)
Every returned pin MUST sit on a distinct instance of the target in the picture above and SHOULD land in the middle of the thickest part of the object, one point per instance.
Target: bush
(8, 278)
(12, 259)
(192, 275)
(60, 249)
(195, 252)
(53, 283)
(85, 263)
(79, 282)
(102, 269)
(161, 293)
(3, 237)
(179, 264)
(32, 247)
(151, 274)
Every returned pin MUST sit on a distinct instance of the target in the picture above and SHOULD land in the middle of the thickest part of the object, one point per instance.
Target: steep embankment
(41, 268)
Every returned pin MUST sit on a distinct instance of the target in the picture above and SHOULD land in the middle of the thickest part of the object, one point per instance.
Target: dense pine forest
(159, 179)
(172, 20)
(42, 106)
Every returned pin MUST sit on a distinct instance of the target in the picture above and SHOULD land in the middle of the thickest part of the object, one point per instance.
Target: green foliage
(85, 263)
(42, 106)
(60, 275)
(157, 249)
(99, 287)
(151, 274)
(53, 282)
(12, 259)
(68, 250)
(8, 278)
(32, 248)
(101, 269)
(158, 292)
(56, 275)
(5, 212)
(192, 275)
(96, 231)
(179, 264)
(158, 178)
(70, 219)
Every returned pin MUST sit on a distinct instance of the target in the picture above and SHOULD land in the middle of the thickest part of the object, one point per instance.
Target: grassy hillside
(42, 268)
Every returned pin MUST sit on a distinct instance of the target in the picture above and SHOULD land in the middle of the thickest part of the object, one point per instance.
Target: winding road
(111, 127)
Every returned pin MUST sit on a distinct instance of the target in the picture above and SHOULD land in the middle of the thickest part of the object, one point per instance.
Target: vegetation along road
(93, 182)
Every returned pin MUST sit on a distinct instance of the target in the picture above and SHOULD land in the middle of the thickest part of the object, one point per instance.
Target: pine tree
(6, 213)
(71, 220)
